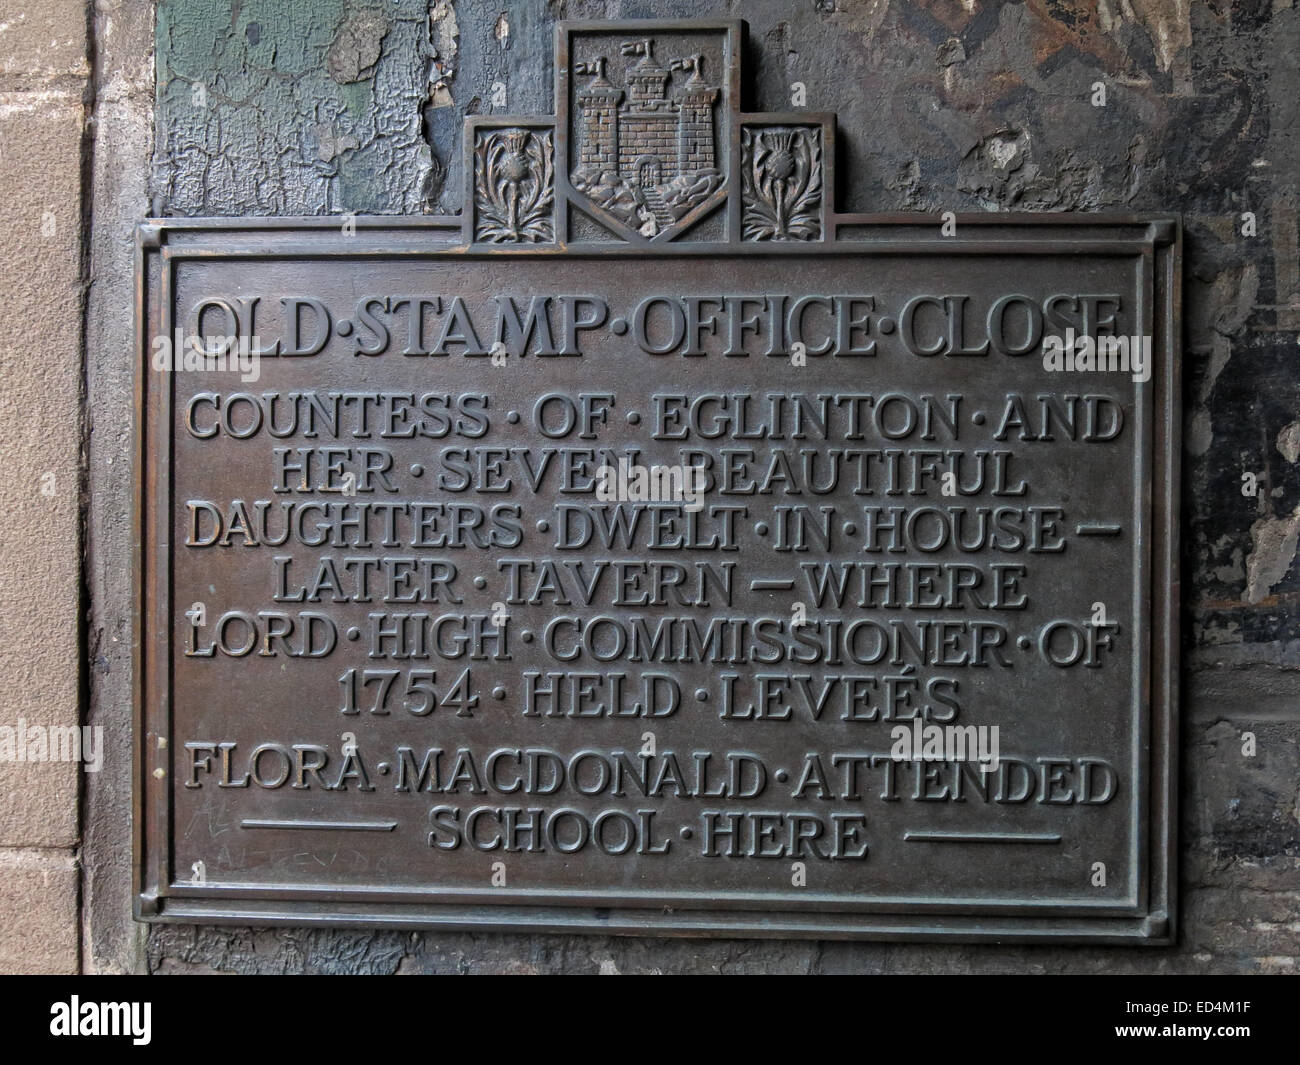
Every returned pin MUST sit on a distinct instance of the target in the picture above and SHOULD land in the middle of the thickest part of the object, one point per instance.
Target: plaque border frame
(161, 244)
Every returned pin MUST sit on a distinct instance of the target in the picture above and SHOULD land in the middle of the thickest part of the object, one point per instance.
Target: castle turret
(599, 103)
(695, 147)
(647, 81)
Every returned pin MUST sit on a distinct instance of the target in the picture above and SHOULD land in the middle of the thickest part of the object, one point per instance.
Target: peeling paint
(1222, 312)
(330, 143)
(317, 111)
(1168, 24)
(1273, 554)
(446, 39)
(1005, 149)
(950, 52)
(357, 46)
(1288, 442)
(863, 17)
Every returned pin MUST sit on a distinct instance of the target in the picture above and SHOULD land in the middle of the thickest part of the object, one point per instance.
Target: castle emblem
(647, 152)
(649, 148)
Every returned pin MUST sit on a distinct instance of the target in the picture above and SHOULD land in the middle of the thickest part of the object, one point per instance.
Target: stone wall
(331, 105)
(648, 135)
(44, 80)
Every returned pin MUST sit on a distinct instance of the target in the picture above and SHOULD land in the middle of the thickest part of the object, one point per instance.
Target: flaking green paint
(272, 132)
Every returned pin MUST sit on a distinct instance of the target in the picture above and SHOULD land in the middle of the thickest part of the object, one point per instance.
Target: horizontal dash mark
(981, 837)
(339, 826)
(1097, 528)
(764, 586)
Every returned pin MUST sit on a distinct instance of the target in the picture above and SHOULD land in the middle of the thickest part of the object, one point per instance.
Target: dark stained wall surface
(327, 106)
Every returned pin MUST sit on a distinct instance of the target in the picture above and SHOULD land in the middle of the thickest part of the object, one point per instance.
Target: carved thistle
(781, 180)
(514, 187)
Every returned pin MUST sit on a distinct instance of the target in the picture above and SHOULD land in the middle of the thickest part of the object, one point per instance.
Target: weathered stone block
(40, 436)
(45, 39)
(38, 911)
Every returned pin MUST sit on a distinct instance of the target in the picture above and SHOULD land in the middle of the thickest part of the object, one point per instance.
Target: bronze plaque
(653, 548)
